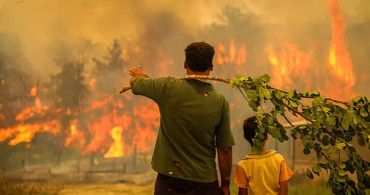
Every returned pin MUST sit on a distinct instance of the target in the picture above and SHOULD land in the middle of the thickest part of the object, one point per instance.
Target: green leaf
(290, 94)
(317, 101)
(363, 112)
(341, 179)
(252, 95)
(325, 140)
(340, 145)
(361, 140)
(361, 185)
(341, 172)
(266, 78)
(326, 109)
(253, 105)
(313, 93)
(267, 93)
(256, 150)
(293, 104)
(360, 174)
(306, 151)
(356, 99)
(309, 174)
(278, 95)
(258, 142)
(342, 166)
(316, 169)
(332, 141)
(332, 121)
(345, 124)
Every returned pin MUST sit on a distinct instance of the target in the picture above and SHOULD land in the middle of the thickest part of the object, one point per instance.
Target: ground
(305, 188)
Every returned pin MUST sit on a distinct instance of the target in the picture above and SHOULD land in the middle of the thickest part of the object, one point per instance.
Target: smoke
(40, 23)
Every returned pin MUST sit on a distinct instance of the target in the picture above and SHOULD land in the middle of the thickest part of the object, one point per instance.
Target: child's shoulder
(279, 157)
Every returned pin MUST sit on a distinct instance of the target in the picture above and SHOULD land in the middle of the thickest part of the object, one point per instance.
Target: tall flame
(116, 149)
(339, 60)
(292, 67)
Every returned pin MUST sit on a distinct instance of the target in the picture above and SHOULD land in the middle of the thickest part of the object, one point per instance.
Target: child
(264, 173)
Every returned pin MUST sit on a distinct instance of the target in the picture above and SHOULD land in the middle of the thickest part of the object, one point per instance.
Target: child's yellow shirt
(261, 173)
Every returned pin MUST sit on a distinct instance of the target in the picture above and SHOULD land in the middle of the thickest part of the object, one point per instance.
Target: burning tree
(71, 91)
(15, 95)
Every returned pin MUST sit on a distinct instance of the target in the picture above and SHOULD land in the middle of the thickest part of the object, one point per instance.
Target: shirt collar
(263, 155)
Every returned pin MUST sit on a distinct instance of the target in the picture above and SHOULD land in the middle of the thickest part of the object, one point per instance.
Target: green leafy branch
(331, 125)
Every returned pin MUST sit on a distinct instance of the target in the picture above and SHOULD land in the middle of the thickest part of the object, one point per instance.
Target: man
(195, 120)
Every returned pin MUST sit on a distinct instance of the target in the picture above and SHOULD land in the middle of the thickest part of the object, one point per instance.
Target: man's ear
(211, 68)
(185, 65)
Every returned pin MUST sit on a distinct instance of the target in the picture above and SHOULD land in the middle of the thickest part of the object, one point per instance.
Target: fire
(33, 91)
(339, 60)
(116, 150)
(291, 66)
(234, 55)
(121, 126)
(25, 132)
(76, 137)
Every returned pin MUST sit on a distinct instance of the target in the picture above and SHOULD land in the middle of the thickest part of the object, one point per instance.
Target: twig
(286, 118)
(126, 88)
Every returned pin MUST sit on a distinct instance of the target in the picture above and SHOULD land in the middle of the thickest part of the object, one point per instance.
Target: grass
(125, 189)
(299, 184)
(109, 189)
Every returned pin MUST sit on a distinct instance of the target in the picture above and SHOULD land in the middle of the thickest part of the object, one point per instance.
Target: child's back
(262, 174)
(265, 173)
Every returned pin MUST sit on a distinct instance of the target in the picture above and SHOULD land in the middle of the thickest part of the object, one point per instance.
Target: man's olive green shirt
(195, 120)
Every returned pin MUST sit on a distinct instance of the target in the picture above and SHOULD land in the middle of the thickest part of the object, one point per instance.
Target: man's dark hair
(199, 56)
(250, 129)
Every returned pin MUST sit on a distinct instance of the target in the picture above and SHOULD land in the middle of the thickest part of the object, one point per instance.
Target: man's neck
(206, 73)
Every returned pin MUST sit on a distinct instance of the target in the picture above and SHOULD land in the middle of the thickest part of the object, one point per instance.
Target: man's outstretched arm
(225, 163)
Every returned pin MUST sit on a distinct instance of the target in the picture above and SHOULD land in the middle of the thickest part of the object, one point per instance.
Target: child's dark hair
(250, 129)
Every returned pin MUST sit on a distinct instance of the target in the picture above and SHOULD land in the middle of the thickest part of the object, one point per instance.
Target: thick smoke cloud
(40, 23)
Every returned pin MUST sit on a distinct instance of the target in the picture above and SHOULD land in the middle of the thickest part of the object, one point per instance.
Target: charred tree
(70, 91)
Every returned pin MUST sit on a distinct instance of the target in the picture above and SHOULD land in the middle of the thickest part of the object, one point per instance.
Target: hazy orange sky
(38, 23)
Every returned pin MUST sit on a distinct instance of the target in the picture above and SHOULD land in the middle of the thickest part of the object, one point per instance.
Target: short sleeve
(240, 178)
(285, 172)
(153, 88)
(224, 136)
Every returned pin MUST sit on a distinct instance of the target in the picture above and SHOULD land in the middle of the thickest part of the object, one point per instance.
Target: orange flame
(116, 149)
(25, 132)
(291, 67)
(288, 65)
(339, 61)
(33, 91)
(76, 137)
(236, 56)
